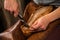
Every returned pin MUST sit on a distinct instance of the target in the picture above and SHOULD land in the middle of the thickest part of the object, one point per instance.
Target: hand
(40, 24)
(12, 6)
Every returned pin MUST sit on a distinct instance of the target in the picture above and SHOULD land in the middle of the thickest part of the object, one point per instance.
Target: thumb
(15, 13)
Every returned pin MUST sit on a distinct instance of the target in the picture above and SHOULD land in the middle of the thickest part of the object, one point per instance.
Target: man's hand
(12, 6)
(40, 24)
(43, 22)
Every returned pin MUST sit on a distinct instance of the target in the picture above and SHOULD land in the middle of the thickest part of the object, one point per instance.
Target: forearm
(53, 15)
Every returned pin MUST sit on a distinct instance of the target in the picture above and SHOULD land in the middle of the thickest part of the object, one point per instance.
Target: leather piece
(13, 33)
(40, 35)
(55, 34)
(43, 10)
(44, 35)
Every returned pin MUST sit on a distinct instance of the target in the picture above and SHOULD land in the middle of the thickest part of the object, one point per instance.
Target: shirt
(48, 2)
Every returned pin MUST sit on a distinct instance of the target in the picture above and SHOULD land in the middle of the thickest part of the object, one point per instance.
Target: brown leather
(37, 35)
(30, 8)
(12, 33)
(44, 34)
(35, 14)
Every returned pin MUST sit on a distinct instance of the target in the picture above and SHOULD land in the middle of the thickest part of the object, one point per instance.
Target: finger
(35, 27)
(15, 14)
(10, 9)
(36, 30)
(35, 23)
(41, 28)
(32, 27)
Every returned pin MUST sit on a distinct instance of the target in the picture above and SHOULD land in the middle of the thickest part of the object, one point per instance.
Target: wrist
(46, 18)
(51, 17)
